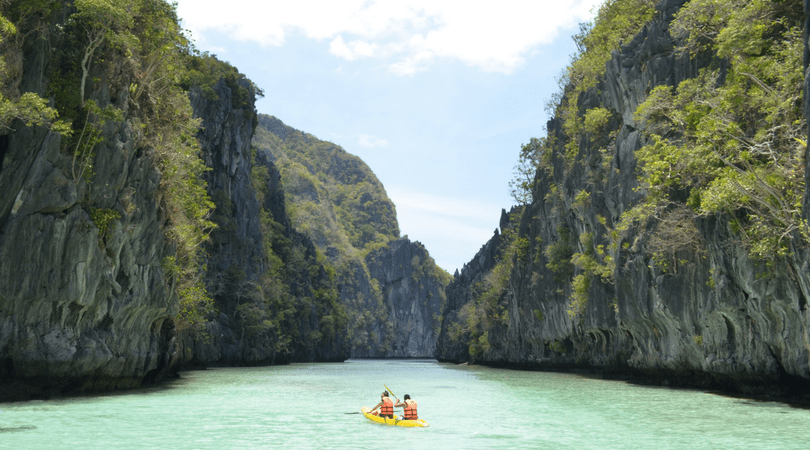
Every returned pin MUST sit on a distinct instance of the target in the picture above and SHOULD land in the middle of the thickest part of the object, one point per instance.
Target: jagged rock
(459, 293)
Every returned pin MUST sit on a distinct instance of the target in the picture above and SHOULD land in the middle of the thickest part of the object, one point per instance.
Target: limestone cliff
(462, 291)
(390, 287)
(87, 232)
(412, 291)
(250, 294)
(717, 320)
(104, 260)
(81, 307)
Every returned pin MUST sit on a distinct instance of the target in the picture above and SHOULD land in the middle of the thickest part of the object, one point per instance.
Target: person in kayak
(410, 409)
(386, 407)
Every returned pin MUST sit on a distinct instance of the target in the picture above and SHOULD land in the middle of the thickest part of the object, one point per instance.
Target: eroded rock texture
(80, 309)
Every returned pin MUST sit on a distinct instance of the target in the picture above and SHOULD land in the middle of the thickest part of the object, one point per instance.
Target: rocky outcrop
(238, 264)
(84, 303)
(235, 249)
(716, 319)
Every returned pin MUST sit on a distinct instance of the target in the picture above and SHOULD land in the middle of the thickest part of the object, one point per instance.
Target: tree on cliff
(101, 20)
(28, 107)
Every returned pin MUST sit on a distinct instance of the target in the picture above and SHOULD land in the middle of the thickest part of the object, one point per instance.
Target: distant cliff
(675, 298)
(391, 288)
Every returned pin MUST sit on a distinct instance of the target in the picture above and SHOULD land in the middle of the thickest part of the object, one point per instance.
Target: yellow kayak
(400, 423)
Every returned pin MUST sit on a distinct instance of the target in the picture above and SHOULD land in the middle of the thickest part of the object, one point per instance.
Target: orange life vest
(410, 410)
(387, 408)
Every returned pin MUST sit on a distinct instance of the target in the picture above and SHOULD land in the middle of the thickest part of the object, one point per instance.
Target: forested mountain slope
(391, 287)
(663, 235)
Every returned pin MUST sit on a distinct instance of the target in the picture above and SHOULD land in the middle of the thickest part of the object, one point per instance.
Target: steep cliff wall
(235, 249)
(414, 297)
(81, 308)
(92, 224)
(102, 218)
(451, 346)
(715, 319)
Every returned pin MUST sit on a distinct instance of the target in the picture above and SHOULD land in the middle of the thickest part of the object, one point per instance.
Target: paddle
(354, 413)
(392, 393)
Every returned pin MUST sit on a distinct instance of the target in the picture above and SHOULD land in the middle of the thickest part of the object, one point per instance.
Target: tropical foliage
(732, 139)
(332, 196)
(28, 107)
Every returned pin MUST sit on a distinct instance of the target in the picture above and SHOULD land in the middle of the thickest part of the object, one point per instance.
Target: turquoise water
(305, 406)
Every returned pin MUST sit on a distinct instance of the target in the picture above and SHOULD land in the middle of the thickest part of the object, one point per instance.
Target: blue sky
(435, 96)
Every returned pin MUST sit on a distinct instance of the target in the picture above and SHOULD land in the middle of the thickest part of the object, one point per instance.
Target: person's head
(407, 397)
(385, 394)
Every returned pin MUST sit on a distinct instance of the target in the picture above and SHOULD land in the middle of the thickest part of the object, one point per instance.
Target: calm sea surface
(305, 406)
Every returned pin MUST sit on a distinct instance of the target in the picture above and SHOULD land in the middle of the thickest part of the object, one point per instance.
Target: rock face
(413, 296)
(84, 303)
(80, 309)
(718, 320)
(236, 243)
(238, 262)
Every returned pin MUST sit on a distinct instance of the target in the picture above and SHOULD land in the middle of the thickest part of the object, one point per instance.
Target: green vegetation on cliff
(488, 306)
(732, 139)
(729, 142)
(615, 21)
(332, 196)
(295, 304)
(137, 50)
(27, 107)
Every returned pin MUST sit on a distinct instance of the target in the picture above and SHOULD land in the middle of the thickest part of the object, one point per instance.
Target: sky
(436, 96)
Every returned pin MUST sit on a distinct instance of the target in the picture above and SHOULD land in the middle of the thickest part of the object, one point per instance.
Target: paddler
(410, 409)
(386, 407)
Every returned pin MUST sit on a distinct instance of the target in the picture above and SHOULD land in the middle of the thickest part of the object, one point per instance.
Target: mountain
(391, 287)
(662, 239)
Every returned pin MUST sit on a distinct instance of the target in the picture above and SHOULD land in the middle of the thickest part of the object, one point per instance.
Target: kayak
(399, 423)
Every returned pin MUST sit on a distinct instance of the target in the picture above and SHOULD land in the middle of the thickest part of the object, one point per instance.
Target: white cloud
(406, 34)
(352, 50)
(368, 141)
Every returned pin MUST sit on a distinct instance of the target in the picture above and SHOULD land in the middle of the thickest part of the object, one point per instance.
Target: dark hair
(407, 397)
(385, 393)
